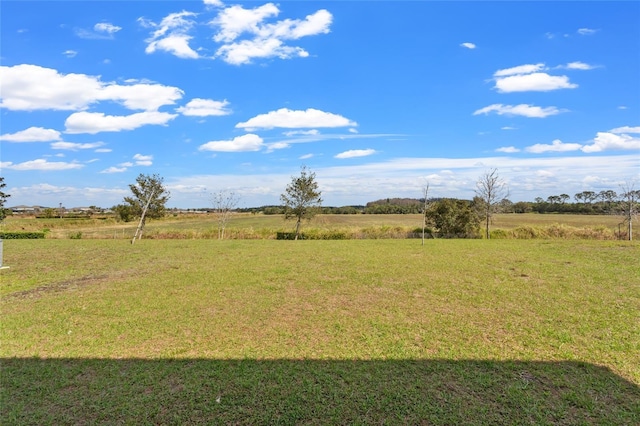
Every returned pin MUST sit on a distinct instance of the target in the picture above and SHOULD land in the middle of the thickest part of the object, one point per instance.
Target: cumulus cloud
(41, 165)
(171, 35)
(205, 107)
(606, 141)
(555, 146)
(295, 119)
(248, 142)
(95, 122)
(468, 45)
(536, 82)
(529, 77)
(241, 34)
(31, 87)
(626, 129)
(353, 153)
(32, 134)
(524, 110)
(71, 146)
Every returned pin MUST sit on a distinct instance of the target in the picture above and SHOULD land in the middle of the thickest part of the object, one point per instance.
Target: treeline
(587, 202)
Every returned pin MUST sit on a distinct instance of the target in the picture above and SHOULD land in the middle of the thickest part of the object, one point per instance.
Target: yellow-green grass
(259, 226)
(320, 332)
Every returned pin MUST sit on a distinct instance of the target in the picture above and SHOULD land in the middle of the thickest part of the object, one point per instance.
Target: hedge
(21, 235)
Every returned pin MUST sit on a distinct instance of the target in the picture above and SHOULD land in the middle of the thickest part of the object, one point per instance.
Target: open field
(252, 226)
(320, 332)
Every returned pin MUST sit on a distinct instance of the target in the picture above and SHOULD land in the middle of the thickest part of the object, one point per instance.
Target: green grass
(317, 332)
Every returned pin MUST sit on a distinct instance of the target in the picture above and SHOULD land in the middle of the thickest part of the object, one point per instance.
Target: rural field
(95, 330)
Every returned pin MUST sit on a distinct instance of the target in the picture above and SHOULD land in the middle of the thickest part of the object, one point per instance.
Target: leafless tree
(224, 205)
(425, 191)
(629, 203)
(490, 190)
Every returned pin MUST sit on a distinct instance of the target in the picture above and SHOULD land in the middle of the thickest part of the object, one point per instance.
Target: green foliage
(453, 218)
(3, 199)
(148, 189)
(21, 235)
(123, 212)
(301, 198)
(75, 235)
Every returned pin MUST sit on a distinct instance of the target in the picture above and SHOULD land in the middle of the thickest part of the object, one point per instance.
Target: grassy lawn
(316, 332)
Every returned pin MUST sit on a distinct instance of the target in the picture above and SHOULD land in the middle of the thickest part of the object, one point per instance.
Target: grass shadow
(207, 391)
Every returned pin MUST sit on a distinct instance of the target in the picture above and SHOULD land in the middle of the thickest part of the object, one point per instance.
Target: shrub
(21, 235)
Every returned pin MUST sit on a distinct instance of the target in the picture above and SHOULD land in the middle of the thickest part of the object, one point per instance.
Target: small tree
(629, 199)
(148, 200)
(301, 198)
(490, 189)
(224, 204)
(424, 210)
(3, 199)
(453, 218)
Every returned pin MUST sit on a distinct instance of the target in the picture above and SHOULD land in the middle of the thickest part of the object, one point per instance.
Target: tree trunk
(297, 229)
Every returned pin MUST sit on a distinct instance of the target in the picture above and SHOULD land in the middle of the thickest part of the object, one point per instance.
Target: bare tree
(490, 189)
(301, 198)
(148, 200)
(629, 200)
(224, 204)
(424, 210)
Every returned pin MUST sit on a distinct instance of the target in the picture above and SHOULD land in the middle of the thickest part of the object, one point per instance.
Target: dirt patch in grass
(67, 285)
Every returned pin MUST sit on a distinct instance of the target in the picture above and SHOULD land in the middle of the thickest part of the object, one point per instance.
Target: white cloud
(70, 53)
(468, 45)
(305, 157)
(101, 30)
(536, 82)
(215, 3)
(586, 31)
(95, 122)
(626, 129)
(141, 96)
(143, 160)
(244, 51)
(555, 146)
(522, 110)
(508, 149)
(291, 119)
(42, 165)
(312, 132)
(205, 107)
(106, 27)
(264, 40)
(520, 69)
(103, 150)
(248, 142)
(607, 141)
(171, 35)
(577, 66)
(525, 78)
(508, 128)
(31, 87)
(353, 153)
(114, 169)
(32, 134)
(70, 146)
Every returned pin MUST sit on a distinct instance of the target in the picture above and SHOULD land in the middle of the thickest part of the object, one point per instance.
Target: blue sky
(377, 98)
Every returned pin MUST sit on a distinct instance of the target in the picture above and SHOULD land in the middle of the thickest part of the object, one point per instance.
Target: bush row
(21, 235)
